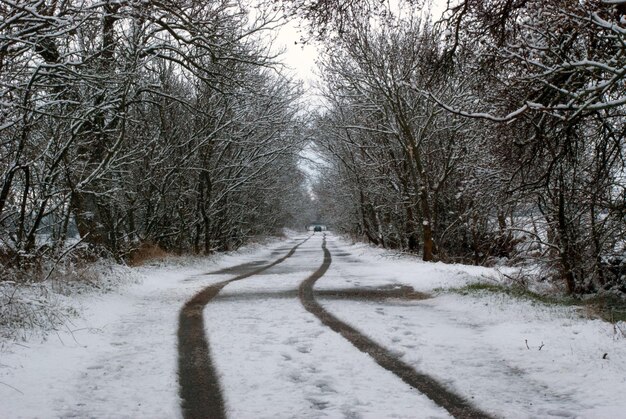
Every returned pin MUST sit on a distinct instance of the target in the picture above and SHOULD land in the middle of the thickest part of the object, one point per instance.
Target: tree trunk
(567, 273)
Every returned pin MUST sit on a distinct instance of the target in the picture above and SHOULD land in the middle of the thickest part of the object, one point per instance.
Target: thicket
(496, 131)
(130, 124)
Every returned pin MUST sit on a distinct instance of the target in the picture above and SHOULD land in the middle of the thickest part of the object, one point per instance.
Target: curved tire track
(453, 403)
(200, 393)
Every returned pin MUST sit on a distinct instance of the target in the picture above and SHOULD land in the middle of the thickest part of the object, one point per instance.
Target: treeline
(132, 122)
(495, 131)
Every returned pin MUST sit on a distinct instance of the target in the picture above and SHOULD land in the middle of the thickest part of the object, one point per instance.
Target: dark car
(317, 228)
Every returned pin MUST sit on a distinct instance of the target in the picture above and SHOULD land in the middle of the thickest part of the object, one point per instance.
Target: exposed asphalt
(453, 403)
(199, 387)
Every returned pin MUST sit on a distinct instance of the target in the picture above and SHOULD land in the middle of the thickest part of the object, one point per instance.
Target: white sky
(301, 58)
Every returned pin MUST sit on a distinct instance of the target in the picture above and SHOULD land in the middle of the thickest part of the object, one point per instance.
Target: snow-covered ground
(118, 360)
(477, 344)
(276, 360)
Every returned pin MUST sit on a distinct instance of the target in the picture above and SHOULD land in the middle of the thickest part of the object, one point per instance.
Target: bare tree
(132, 122)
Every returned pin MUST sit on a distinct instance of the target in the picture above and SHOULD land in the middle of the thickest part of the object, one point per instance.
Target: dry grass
(146, 252)
(611, 308)
(608, 307)
(30, 309)
(38, 300)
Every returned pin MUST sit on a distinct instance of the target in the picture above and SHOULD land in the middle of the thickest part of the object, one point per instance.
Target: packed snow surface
(510, 357)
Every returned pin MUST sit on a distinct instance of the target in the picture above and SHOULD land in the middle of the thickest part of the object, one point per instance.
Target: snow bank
(514, 358)
(116, 355)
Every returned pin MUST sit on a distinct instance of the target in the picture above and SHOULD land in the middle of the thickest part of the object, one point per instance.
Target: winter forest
(197, 222)
(492, 133)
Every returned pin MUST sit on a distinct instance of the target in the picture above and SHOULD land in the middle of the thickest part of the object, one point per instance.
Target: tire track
(199, 389)
(453, 403)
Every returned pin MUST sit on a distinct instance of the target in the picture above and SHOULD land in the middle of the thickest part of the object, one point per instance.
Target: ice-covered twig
(11, 387)
(56, 262)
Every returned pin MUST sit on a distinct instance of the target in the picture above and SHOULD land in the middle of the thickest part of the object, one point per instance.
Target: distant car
(317, 228)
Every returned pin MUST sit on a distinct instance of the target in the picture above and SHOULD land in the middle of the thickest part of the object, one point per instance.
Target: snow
(479, 350)
(278, 361)
(275, 359)
(477, 344)
(93, 367)
(118, 359)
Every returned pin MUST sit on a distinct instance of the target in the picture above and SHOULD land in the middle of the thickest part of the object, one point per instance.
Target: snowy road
(277, 360)
(273, 358)
(453, 403)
